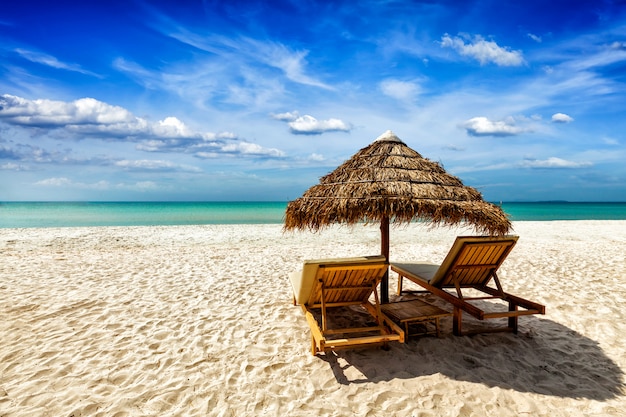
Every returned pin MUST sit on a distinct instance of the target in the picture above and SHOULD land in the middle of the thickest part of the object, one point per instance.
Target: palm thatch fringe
(387, 179)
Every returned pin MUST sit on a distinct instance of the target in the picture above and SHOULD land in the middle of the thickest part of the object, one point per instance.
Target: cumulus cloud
(309, 125)
(400, 90)
(247, 148)
(553, 162)
(482, 126)
(561, 118)
(50, 113)
(483, 51)
(285, 117)
(88, 117)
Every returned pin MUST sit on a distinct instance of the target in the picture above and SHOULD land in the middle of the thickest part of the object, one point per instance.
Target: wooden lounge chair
(325, 284)
(471, 263)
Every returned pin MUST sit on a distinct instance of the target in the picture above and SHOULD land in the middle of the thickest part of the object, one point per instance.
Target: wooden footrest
(415, 311)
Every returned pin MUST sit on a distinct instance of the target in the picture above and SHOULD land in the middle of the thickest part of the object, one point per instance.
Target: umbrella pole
(384, 250)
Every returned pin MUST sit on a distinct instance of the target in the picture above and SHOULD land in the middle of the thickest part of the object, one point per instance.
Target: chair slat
(471, 263)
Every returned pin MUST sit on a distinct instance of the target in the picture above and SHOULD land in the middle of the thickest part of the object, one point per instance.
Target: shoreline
(198, 320)
(465, 230)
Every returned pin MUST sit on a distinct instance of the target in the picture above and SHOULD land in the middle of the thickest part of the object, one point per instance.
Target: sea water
(138, 213)
(73, 214)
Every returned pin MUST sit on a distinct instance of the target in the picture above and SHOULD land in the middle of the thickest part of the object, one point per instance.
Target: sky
(256, 100)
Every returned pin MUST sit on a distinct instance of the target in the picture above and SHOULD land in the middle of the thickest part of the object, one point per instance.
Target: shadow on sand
(544, 358)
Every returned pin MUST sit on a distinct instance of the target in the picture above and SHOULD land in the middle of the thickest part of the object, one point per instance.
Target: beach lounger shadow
(324, 286)
(546, 358)
(471, 264)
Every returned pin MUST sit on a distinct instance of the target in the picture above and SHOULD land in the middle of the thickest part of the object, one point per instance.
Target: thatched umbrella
(388, 181)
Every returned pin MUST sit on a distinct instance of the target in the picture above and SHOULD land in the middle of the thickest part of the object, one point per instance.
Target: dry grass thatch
(387, 179)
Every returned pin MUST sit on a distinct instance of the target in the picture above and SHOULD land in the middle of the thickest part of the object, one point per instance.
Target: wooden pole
(384, 250)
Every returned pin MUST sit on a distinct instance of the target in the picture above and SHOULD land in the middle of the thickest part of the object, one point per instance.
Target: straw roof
(387, 179)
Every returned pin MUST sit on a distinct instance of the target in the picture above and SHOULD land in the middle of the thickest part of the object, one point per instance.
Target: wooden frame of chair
(346, 285)
(472, 263)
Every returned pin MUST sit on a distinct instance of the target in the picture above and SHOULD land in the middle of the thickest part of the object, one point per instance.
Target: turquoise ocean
(73, 214)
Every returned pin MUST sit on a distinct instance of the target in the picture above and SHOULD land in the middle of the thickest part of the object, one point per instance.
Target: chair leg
(513, 319)
(456, 322)
(314, 348)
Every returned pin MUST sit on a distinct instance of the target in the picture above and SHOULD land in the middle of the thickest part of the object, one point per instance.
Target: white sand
(198, 320)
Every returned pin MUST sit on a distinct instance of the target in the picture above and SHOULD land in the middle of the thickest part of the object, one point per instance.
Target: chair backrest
(472, 260)
(345, 279)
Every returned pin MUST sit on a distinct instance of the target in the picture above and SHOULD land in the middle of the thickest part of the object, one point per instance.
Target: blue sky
(243, 100)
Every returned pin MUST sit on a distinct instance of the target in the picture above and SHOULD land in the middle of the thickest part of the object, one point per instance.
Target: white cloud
(534, 37)
(232, 79)
(171, 127)
(484, 51)
(482, 126)
(64, 182)
(249, 51)
(48, 113)
(553, 162)
(148, 79)
(142, 186)
(154, 165)
(400, 90)
(10, 166)
(89, 117)
(208, 155)
(309, 125)
(55, 182)
(561, 118)
(211, 146)
(247, 148)
(618, 45)
(286, 117)
(291, 63)
(51, 61)
(315, 157)
(610, 141)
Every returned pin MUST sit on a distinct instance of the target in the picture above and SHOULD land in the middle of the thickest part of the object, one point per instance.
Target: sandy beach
(199, 321)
